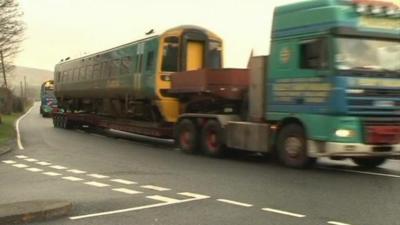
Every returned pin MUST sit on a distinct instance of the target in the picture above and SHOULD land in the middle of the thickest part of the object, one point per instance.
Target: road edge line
(20, 146)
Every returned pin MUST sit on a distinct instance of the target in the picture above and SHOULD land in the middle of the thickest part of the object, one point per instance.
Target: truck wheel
(187, 136)
(369, 162)
(292, 147)
(54, 121)
(212, 139)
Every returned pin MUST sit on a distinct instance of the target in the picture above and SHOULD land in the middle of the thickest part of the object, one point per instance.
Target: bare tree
(11, 32)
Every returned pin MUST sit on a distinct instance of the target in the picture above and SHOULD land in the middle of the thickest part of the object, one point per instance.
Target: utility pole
(3, 68)
(25, 87)
(22, 89)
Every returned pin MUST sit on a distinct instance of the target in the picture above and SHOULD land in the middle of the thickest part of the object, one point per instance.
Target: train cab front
(184, 48)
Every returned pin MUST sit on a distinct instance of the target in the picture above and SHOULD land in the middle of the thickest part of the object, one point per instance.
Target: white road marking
(284, 212)
(97, 184)
(31, 160)
(98, 176)
(20, 146)
(57, 167)
(77, 171)
(362, 172)
(43, 163)
(200, 197)
(126, 191)
(163, 199)
(234, 202)
(337, 223)
(156, 188)
(20, 165)
(72, 178)
(194, 195)
(121, 181)
(34, 169)
(21, 156)
(9, 162)
(53, 174)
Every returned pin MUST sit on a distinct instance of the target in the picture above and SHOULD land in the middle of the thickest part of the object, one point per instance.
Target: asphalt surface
(118, 181)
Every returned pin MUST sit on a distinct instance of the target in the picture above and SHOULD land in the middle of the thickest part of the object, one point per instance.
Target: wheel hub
(293, 146)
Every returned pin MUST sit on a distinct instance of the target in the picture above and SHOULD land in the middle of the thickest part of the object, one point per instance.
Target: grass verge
(7, 130)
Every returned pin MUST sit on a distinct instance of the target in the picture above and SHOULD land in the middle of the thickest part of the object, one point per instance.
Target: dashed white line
(163, 199)
(99, 176)
(57, 167)
(126, 191)
(235, 202)
(20, 165)
(52, 174)
(77, 171)
(34, 169)
(97, 184)
(31, 160)
(156, 188)
(21, 156)
(9, 162)
(337, 223)
(362, 172)
(194, 195)
(121, 181)
(43, 163)
(72, 178)
(284, 212)
(20, 146)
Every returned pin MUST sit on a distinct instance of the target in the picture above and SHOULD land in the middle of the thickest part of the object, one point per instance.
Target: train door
(194, 55)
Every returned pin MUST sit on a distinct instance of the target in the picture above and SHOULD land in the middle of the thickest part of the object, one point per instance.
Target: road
(119, 180)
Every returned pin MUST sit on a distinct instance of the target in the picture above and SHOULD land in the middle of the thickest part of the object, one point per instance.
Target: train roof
(154, 36)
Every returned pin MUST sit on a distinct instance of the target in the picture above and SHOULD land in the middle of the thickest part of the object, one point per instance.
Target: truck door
(194, 55)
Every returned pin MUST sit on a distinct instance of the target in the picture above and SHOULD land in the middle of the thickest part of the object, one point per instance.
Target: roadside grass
(7, 130)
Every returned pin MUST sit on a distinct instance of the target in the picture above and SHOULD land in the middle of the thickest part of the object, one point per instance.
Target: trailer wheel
(212, 139)
(292, 147)
(369, 162)
(187, 136)
(54, 121)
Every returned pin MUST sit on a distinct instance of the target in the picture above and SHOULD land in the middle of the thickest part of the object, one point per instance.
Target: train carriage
(133, 80)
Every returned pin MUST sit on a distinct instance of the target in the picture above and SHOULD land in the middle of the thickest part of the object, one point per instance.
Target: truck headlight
(344, 133)
(355, 91)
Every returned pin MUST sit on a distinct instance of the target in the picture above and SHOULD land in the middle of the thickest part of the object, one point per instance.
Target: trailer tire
(212, 139)
(187, 136)
(369, 162)
(292, 147)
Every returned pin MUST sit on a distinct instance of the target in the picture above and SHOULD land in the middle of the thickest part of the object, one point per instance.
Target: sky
(58, 29)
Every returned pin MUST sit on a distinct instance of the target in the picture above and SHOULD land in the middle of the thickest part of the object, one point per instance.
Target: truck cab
(333, 81)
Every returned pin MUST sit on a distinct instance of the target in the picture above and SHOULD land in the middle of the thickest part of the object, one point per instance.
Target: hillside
(34, 79)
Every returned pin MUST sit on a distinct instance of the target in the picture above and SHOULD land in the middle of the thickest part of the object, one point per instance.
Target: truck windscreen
(368, 55)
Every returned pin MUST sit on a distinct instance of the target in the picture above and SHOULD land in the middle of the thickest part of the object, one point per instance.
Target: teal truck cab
(329, 88)
(334, 71)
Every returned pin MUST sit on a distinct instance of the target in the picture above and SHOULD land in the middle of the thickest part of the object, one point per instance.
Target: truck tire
(212, 139)
(369, 162)
(292, 147)
(187, 136)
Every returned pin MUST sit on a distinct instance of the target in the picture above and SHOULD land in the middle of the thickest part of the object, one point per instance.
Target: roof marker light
(377, 9)
(362, 8)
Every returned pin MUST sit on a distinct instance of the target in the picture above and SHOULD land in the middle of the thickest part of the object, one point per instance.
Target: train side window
(64, 76)
(106, 69)
(58, 78)
(150, 60)
(81, 73)
(76, 73)
(313, 54)
(96, 71)
(115, 66)
(170, 54)
(126, 65)
(89, 72)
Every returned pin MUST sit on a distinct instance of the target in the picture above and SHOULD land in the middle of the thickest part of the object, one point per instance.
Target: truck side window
(313, 54)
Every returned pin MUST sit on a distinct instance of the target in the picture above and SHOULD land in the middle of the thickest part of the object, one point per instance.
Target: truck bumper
(332, 149)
